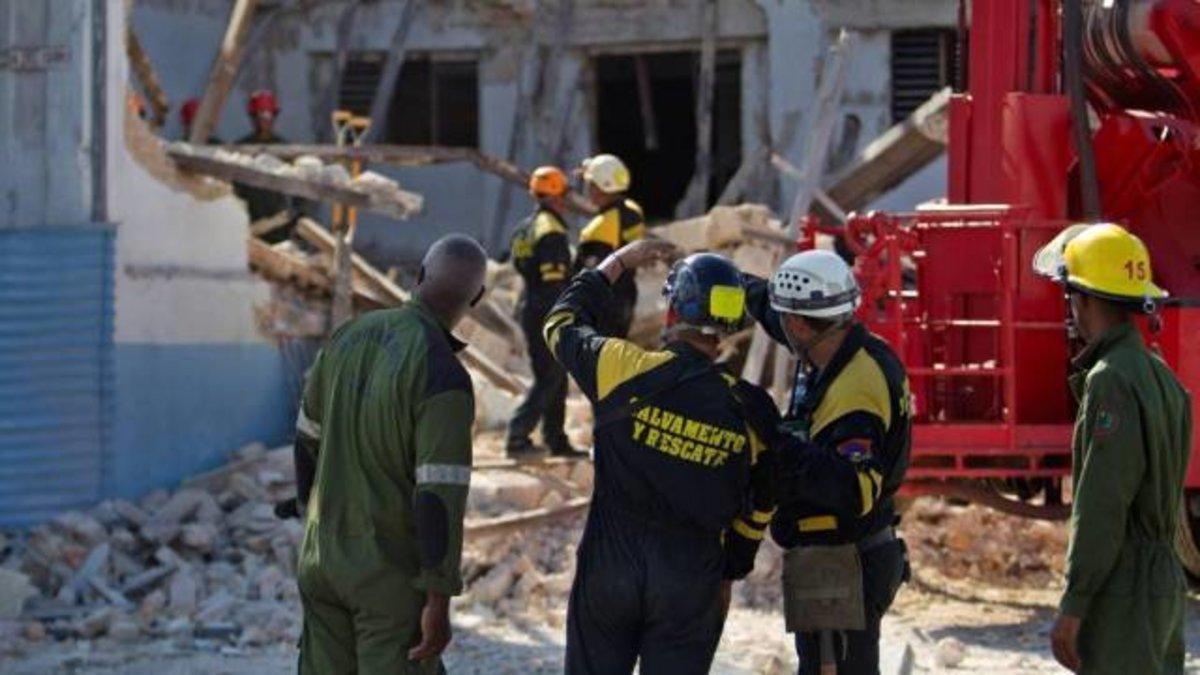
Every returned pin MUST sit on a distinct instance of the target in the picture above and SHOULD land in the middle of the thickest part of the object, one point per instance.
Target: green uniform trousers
(1135, 624)
(361, 612)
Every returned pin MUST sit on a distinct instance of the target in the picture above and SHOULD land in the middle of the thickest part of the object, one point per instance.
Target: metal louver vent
(359, 80)
(922, 63)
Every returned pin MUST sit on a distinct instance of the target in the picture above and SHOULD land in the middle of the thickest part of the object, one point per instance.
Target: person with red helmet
(263, 109)
(187, 115)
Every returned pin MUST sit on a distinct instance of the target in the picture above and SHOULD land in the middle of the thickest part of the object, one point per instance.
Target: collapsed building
(133, 348)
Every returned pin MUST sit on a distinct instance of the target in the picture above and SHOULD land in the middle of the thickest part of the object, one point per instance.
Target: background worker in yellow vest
(618, 222)
(1123, 608)
(541, 253)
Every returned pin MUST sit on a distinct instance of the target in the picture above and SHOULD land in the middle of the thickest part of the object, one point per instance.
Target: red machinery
(951, 285)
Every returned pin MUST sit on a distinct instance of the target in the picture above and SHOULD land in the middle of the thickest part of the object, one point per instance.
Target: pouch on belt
(823, 589)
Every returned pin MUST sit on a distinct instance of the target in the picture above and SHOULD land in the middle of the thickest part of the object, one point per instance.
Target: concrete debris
(15, 590)
(977, 543)
(201, 559)
(950, 652)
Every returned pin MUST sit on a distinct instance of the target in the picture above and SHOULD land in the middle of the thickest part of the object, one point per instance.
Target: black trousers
(643, 592)
(546, 399)
(885, 568)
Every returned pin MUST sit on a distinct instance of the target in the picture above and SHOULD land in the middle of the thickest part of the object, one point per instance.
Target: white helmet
(814, 283)
(606, 172)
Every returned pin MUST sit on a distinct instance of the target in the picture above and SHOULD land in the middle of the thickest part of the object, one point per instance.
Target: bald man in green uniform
(1123, 608)
(383, 462)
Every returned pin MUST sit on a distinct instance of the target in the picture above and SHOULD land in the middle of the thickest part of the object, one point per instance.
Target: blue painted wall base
(181, 409)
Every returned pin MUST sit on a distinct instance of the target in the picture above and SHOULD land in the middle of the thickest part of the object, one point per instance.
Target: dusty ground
(994, 594)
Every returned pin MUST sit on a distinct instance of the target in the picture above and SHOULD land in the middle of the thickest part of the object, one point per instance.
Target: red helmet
(187, 112)
(262, 101)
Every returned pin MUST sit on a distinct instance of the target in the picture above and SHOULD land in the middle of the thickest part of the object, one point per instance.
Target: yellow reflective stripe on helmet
(727, 302)
(762, 517)
(746, 531)
(817, 523)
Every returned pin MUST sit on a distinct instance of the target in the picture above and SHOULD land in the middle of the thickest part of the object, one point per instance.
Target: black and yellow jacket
(849, 436)
(672, 444)
(541, 253)
(612, 228)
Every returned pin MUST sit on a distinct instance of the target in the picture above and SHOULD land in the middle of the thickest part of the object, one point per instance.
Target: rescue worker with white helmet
(1123, 608)
(843, 449)
(618, 222)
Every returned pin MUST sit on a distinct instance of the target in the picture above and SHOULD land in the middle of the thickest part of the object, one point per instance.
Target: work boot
(563, 448)
(520, 448)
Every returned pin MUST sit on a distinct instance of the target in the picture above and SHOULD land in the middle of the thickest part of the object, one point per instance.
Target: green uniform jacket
(386, 417)
(1130, 451)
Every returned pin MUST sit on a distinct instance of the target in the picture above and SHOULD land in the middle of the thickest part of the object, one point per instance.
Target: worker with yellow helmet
(1122, 611)
(542, 255)
(618, 222)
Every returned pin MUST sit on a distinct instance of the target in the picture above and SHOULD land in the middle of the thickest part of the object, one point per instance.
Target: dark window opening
(923, 62)
(435, 102)
(662, 158)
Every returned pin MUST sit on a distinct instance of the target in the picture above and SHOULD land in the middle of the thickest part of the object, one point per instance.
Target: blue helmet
(705, 292)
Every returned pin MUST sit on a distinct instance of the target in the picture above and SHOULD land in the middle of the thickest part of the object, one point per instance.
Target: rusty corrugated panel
(56, 326)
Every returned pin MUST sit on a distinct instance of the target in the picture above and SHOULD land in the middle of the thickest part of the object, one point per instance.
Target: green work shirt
(1130, 451)
(392, 409)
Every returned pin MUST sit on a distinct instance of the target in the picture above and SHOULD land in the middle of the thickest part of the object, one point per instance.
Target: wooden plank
(475, 529)
(391, 67)
(224, 70)
(696, 197)
(300, 187)
(324, 240)
(143, 70)
(282, 267)
(411, 155)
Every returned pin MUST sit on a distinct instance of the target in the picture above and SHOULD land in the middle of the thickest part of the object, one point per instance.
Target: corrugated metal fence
(56, 302)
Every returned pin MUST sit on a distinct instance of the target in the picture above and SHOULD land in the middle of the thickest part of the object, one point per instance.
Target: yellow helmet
(1104, 260)
(606, 172)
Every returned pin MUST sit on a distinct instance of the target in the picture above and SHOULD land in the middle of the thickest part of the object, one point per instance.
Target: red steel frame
(950, 285)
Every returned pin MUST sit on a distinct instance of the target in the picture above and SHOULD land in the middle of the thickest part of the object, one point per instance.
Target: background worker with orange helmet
(542, 255)
(1123, 608)
(619, 222)
(263, 110)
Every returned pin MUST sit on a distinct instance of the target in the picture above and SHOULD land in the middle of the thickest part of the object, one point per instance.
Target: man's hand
(636, 254)
(435, 628)
(1064, 640)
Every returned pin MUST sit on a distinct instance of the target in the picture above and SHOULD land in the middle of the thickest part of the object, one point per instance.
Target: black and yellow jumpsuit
(542, 255)
(849, 434)
(616, 225)
(683, 494)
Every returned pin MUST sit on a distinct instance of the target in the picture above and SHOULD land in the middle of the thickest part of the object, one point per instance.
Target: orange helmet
(548, 181)
(187, 112)
(263, 101)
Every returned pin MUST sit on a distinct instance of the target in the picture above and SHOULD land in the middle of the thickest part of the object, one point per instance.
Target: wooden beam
(696, 197)
(411, 155)
(292, 185)
(490, 527)
(391, 67)
(143, 70)
(224, 70)
(386, 288)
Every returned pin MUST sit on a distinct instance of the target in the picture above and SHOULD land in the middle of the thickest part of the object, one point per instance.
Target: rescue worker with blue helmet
(683, 488)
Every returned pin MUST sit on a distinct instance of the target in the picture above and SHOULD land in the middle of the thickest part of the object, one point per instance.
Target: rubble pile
(981, 544)
(209, 562)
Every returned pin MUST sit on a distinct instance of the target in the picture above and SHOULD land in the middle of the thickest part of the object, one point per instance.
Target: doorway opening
(646, 115)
